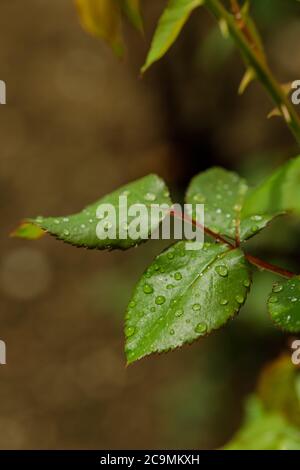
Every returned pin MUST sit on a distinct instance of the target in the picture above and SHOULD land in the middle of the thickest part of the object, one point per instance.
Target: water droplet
(172, 332)
(294, 299)
(223, 302)
(222, 270)
(150, 197)
(160, 300)
(199, 198)
(66, 232)
(179, 313)
(257, 218)
(162, 269)
(57, 221)
(156, 267)
(277, 288)
(178, 276)
(91, 221)
(148, 289)
(201, 328)
(129, 331)
(132, 304)
(240, 299)
(170, 255)
(246, 283)
(219, 211)
(196, 307)
(254, 229)
(66, 219)
(273, 299)
(170, 286)
(83, 226)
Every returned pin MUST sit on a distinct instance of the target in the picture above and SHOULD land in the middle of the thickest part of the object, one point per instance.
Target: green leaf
(169, 26)
(102, 18)
(28, 231)
(132, 10)
(184, 295)
(81, 229)
(278, 193)
(223, 193)
(284, 305)
(278, 388)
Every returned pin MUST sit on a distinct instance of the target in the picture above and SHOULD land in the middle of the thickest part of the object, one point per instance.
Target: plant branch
(259, 263)
(258, 64)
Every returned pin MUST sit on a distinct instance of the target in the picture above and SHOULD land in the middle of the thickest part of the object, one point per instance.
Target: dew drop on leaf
(240, 299)
(277, 288)
(148, 289)
(196, 307)
(160, 300)
(129, 331)
(273, 299)
(222, 270)
(223, 302)
(179, 313)
(150, 197)
(178, 276)
(201, 328)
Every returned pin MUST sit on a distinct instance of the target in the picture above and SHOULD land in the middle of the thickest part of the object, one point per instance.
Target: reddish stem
(269, 267)
(259, 263)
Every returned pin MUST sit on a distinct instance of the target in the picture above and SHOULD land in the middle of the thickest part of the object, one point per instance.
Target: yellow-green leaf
(132, 10)
(169, 26)
(102, 18)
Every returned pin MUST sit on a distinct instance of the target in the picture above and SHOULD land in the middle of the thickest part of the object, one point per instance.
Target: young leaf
(184, 295)
(133, 12)
(169, 26)
(28, 231)
(223, 193)
(102, 18)
(284, 305)
(83, 229)
(278, 193)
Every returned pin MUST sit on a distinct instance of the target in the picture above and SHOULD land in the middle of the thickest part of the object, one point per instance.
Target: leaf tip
(28, 231)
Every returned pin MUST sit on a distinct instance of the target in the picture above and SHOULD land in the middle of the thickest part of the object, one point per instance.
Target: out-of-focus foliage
(272, 415)
(103, 18)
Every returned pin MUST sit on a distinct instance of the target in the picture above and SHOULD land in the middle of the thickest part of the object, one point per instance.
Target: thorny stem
(259, 263)
(243, 39)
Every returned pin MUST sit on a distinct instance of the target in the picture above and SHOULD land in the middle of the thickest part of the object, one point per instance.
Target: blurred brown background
(77, 124)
